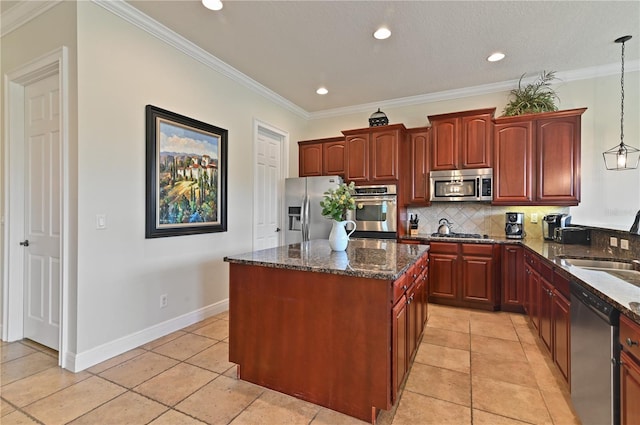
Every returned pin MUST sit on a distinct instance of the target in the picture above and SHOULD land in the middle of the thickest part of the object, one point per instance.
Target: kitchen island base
(321, 337)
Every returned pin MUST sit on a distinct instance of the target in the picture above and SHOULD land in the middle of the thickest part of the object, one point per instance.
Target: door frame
(52, 63)
(284, 167)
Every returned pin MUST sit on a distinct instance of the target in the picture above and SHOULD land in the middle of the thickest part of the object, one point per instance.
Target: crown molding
(563, 77)
(23, 12)
(155, 28)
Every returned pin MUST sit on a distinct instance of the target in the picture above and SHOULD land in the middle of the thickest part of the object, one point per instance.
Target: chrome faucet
(636, 224)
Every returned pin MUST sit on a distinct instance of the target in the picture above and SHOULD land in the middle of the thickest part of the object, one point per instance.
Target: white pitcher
(338, 238)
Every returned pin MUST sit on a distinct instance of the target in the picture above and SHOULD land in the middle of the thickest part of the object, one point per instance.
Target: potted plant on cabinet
(534, 97)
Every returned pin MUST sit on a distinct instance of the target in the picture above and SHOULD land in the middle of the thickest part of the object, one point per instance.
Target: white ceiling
(294, 47)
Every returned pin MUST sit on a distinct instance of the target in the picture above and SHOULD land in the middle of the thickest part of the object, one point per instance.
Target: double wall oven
(376, 212)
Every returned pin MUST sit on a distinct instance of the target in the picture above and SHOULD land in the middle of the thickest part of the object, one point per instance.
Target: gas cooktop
(461, 235)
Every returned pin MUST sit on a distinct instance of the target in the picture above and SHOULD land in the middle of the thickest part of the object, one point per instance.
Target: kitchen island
(337, 329)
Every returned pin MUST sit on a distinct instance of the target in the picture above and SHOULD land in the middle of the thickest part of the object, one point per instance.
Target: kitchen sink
(600, 264)
(628, 271)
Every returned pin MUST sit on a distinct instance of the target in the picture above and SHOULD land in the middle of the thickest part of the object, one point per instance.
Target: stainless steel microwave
(462, 185)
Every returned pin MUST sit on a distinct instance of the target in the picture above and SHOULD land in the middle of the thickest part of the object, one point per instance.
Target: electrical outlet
(624, 244)
(613, 241)
(534, 217)
(164, 300)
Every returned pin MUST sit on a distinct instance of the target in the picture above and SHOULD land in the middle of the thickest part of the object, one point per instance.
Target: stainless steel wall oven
(376, 212)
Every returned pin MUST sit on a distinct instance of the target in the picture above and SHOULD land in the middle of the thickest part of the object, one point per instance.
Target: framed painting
(186, 175)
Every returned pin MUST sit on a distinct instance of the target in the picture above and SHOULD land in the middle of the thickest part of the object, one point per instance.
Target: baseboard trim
(86, 359)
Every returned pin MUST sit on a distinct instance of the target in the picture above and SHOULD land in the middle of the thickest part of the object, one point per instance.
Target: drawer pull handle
(404, 287)
(631, 342)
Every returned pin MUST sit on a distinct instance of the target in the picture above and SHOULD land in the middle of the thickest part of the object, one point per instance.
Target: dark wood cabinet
(310, 159)
(321, 157)
(463, 274)
(334, 158)
(513, 163)
(478, 274)
(537, 159)
(373, 154)
(629, 371)
(561, 330)
(399, 349)
(513, 279)
(408, 320)
(462, 140)
(417, 156)
(549, 309)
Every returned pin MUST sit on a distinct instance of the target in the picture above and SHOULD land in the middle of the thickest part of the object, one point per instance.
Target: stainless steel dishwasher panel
(594, 358)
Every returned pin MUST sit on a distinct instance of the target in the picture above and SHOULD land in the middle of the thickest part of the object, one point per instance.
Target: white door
(42, 210)
(268, 193)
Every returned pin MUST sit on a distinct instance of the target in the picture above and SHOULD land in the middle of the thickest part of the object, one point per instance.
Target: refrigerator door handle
(305, 219)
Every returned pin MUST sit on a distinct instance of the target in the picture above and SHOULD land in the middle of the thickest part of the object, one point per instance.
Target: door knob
(277, 229)
(25, 242)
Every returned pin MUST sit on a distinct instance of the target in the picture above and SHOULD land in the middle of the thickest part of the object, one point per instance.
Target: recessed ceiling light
(495, 57)
(382, 33)
(212, 4)
(322, 90)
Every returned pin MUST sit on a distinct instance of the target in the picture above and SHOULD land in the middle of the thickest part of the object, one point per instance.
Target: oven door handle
(370, 199)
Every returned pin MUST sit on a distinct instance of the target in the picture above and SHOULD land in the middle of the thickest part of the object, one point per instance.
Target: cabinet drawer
(531, 260)
(477, 249)
(630, 336)
(444, 248)
(561, 284)
(545, 271)
(400, 286)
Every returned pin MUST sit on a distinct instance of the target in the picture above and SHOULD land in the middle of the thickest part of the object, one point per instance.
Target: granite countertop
(369, 258)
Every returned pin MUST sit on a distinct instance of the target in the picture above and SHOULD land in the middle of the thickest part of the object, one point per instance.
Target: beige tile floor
(472, 367)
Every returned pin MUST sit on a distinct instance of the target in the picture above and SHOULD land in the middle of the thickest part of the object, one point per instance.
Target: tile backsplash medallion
(476, 217)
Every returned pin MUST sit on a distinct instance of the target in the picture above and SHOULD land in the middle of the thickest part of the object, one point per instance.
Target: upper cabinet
(537, 159)
(322, 157)
(416, 167)
(462, 140)
(373, 154)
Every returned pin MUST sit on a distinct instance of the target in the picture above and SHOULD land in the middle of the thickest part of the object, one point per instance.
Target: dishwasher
(595, 356)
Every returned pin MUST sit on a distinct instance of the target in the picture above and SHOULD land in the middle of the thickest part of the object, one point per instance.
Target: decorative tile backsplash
(475, 217)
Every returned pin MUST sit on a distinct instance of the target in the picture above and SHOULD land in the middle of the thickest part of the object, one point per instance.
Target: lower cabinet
(513, 279)
(547, 304)
(409, 314)
(464, 274)
(629, 372)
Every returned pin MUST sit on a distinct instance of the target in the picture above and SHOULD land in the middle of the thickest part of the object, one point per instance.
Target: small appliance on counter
(573, 235)
(514, 226)
(551, 222)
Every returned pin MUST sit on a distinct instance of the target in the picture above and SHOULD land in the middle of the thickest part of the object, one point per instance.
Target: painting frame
(186, 175)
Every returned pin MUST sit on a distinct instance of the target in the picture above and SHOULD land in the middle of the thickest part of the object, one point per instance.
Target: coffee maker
(551, 222)
(514, 225)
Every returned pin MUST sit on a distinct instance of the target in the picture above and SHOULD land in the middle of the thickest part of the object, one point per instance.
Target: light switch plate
(624, 244)
(613, 241)
(534, 217)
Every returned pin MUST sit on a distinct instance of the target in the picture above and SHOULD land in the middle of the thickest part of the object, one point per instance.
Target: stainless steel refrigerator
(304, 220)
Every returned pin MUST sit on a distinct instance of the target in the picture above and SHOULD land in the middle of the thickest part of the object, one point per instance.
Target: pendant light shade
(622, 157)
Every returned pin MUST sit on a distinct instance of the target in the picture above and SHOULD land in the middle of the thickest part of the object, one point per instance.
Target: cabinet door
(443, 276)
(334, 158)
(561, 331)
(384, 155)
(310, 160)
(476, 141)
(444, 144)
(513, 172)
(399, 349)
(533, 292)
(545, 298)
(558, 160)
(357, 147)
(419, 183)
(629, 390)
(477, 279)
(513, 278)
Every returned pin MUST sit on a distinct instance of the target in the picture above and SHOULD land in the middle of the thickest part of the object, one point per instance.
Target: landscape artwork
(186, 175)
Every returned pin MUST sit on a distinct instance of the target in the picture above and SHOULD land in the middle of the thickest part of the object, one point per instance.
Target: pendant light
(622, 157)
